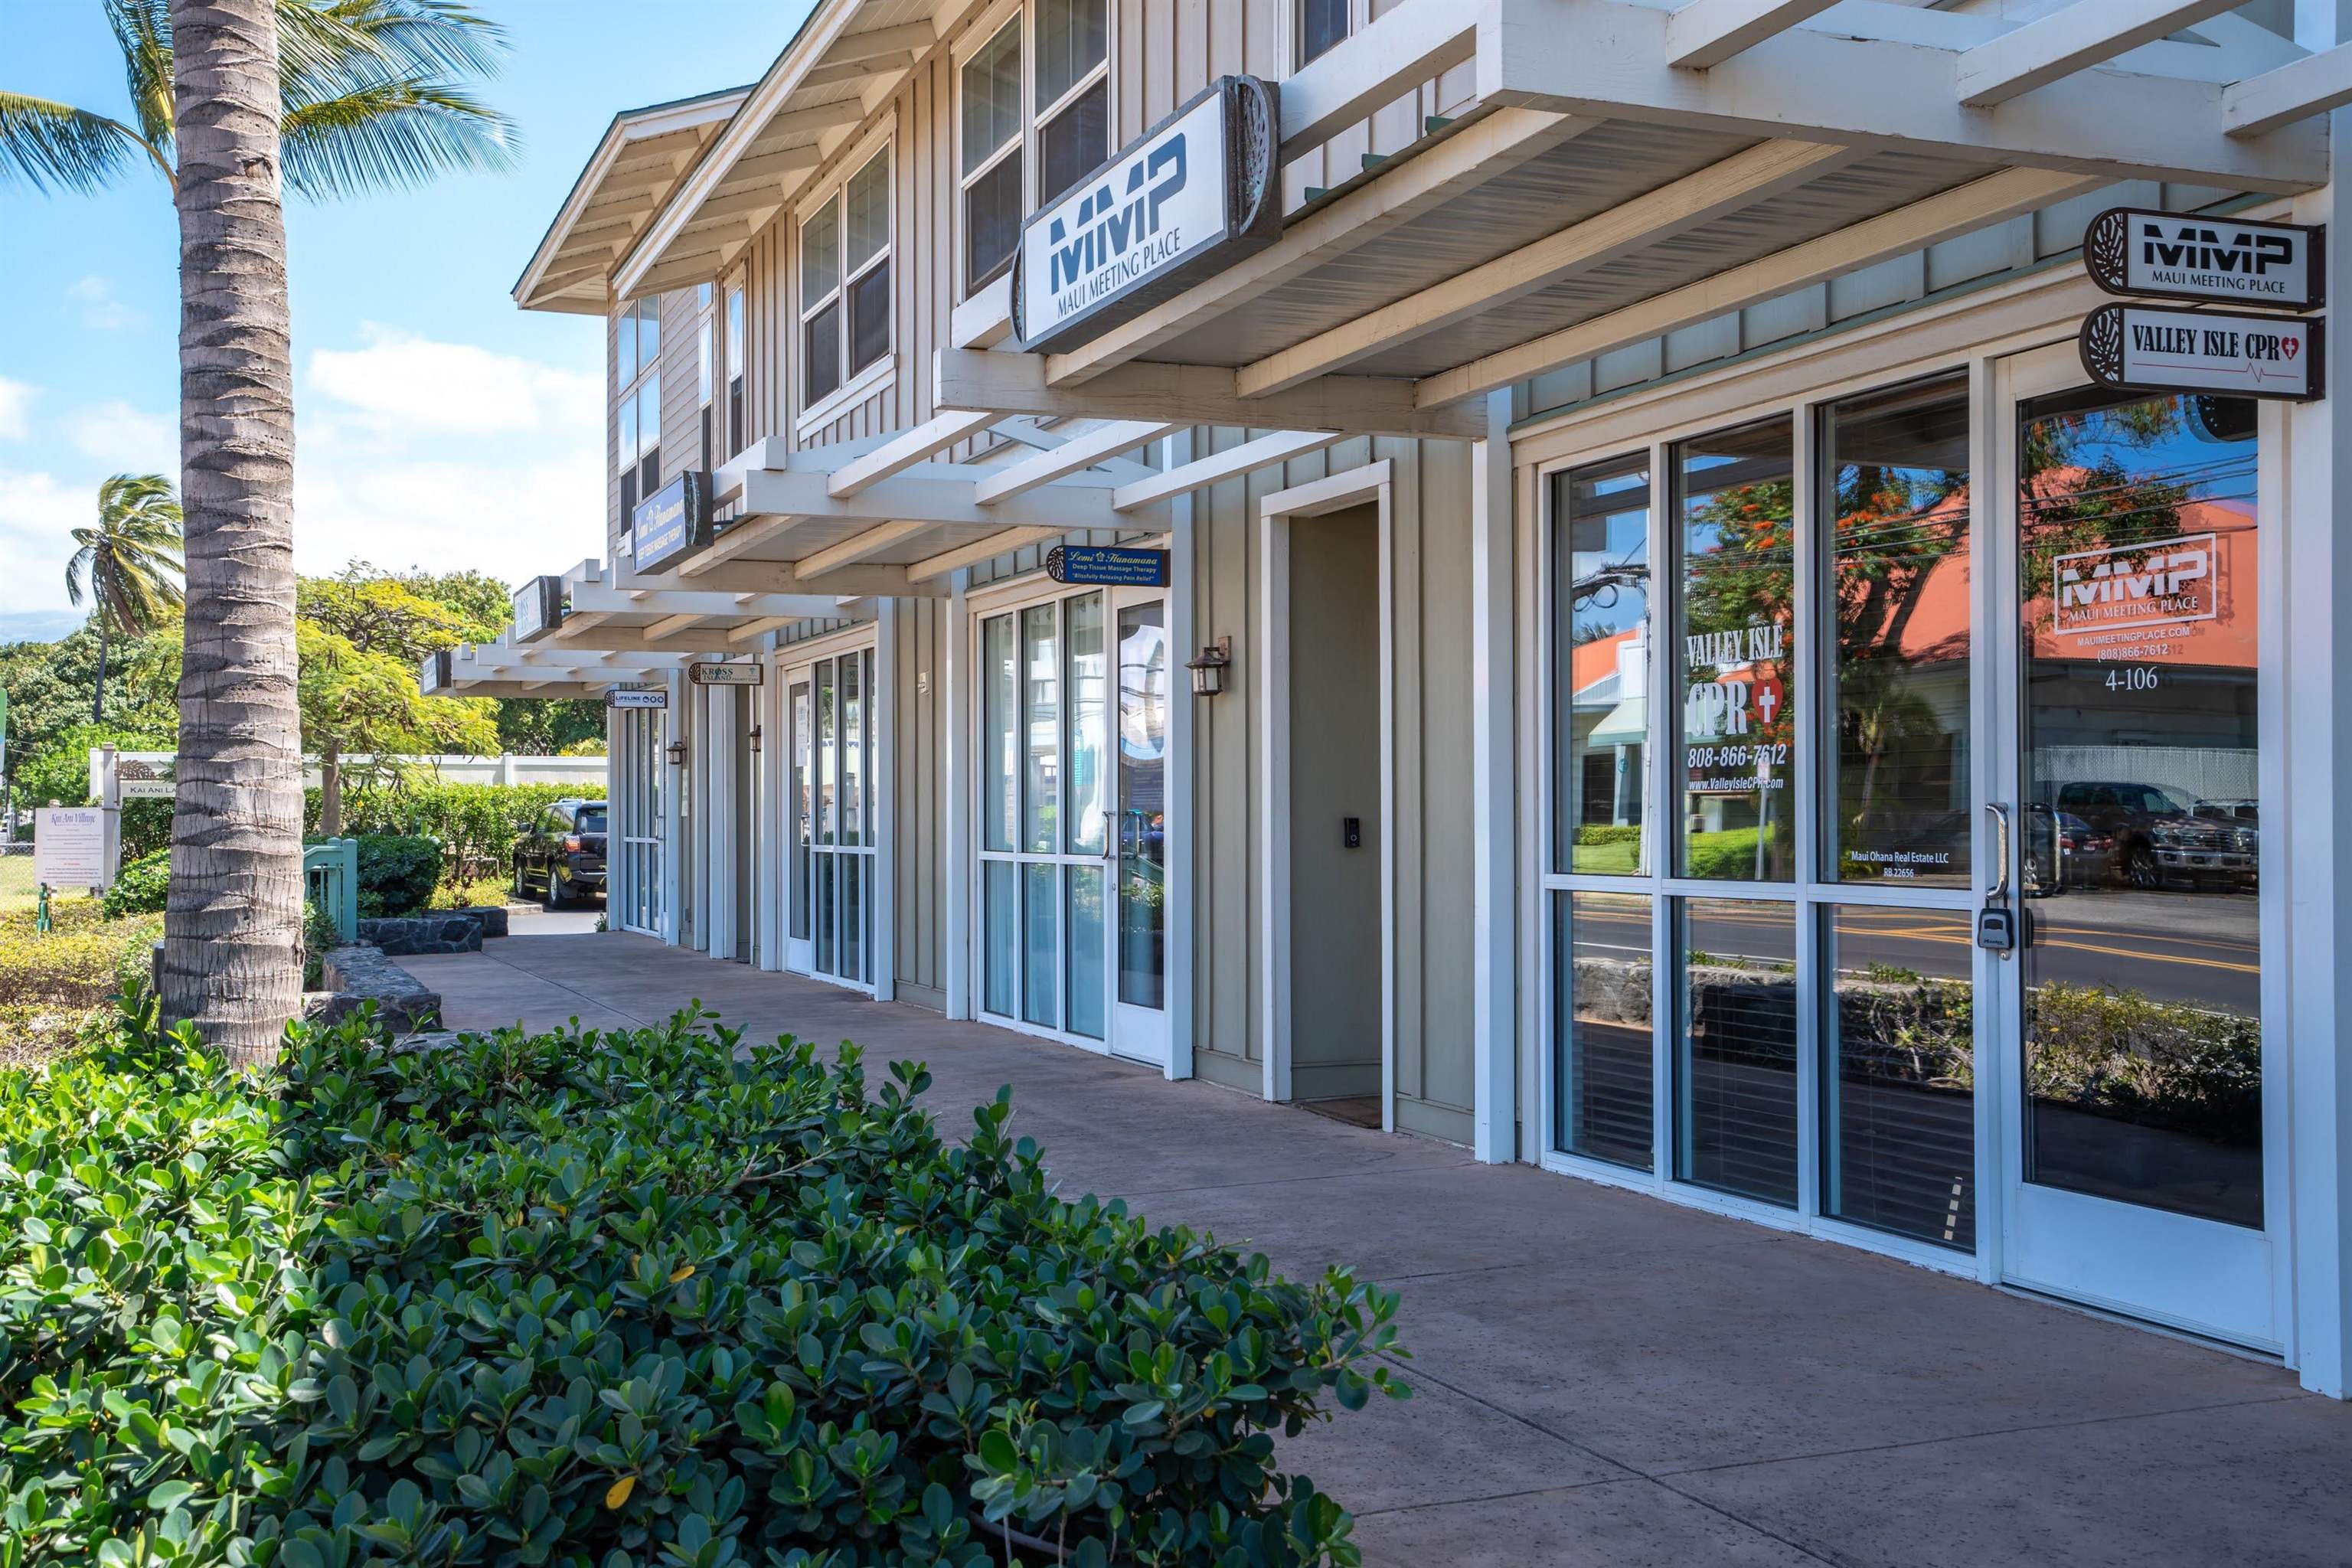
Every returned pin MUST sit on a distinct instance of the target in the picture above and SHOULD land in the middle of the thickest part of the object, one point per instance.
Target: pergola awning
(1625, 170)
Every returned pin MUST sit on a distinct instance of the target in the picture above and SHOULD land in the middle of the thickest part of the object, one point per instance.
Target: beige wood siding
(919, 822)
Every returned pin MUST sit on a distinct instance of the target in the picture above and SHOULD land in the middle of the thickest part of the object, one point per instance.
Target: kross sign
(1194, 193)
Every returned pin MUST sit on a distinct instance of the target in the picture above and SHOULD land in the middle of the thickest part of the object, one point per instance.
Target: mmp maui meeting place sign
(2218, 261)
(1196, 191)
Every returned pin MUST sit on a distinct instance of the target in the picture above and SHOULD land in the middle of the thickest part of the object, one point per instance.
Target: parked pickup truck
(2158, 835)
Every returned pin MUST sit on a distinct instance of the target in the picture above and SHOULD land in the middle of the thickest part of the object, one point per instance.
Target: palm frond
(142, 30)
(48, 144)
(132, 554)
(380, 133)
(435, 38)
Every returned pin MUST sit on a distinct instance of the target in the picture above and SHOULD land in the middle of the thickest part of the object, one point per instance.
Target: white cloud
(402, 383)
(100, 307)
(512, 520)
(15, 397)
(38, 511)
(127, 440)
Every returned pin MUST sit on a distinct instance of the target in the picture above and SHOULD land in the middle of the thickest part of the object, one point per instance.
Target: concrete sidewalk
(1603, 1378)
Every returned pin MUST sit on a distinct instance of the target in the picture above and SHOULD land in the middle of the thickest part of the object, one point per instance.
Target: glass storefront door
(638, 767)
(2130, 1017)
(830, 834)
(1073, 734)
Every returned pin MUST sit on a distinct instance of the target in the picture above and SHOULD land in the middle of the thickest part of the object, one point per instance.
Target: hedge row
(475, 823)
(594, 1300)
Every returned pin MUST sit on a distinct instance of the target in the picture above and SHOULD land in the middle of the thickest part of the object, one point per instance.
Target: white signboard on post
(2212, 260)
(2152, 347)
(69, 846)
(723, 674)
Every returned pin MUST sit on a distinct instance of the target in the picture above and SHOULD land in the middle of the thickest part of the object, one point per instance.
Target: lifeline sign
(2152, 347)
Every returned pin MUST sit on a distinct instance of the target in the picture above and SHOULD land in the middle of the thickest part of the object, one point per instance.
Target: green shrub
(397, 873)
(1609, 833)
(140, 887)
(475, 823)
(51, 984)
(590, 1299)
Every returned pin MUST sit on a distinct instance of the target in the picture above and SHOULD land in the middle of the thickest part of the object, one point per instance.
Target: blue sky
(436, 424)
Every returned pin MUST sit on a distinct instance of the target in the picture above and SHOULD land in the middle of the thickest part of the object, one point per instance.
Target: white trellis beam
(1080, 451)
(1752, 175)
(903, 452)
(2314, 85)
(1977, 205)
(981, 549)
(1189, 394)
(2076, 37)
(857, 547)
(1708, 32)
(1219, 467)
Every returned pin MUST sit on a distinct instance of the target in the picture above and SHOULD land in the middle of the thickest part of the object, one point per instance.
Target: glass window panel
(1085, 964)
(624, 348)
(827, 913)
(991, 218)
(1601, 670)
(1072, 38)
(702, 367)
(734, 333)
(625, 444)
(1042, 723)
(828, 760)
(1001, 926)
(991, 96)
(648, 331)
(852, 752)
(821, 254)
(853, 916)
(869, 318)
(1040, 892)
(821, 359)
(1897, 466)
(1601, 1083)
(865, 213)
(1322, 24)
(999, 742)
(1736, 1048)
(1736, 654)
(1899, 1127)
(1074, 143)
(2141, 626)
(650, 418)
(1089, 787)
(1143, 677)
(802, 802)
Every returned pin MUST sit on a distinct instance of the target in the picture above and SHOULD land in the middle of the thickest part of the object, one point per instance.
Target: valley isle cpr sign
(1192, 194)
(2149, 348)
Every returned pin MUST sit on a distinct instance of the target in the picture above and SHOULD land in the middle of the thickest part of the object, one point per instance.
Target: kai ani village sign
(2221, 261)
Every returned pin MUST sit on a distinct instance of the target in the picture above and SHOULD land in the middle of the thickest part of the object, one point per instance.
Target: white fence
(447, 769)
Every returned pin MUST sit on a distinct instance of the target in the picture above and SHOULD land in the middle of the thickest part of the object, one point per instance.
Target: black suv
(561, 855)
(2159, 837)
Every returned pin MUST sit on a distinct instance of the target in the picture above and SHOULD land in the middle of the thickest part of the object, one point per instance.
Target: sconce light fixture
(677, 752)
(1208, 668)
(755, 740)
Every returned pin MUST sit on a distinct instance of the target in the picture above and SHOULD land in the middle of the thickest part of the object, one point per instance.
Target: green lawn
(17, 888)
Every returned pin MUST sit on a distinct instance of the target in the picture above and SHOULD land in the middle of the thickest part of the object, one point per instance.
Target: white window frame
(853, 386)
(735, 351)
(1033, 116)
(706, 368)
(645, 372)
(779, 893)
(1293, 41)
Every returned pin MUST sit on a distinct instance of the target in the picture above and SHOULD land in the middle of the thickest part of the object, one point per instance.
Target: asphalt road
(2198, 948)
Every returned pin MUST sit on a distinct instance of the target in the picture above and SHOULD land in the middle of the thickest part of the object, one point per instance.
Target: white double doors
(832, 833)
(2139, 1145)
(1071, 721)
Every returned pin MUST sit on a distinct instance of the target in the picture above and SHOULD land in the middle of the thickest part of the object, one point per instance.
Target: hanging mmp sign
(2210, 261)
(724, 674)
(2149, 348)
(1109, 565)
(672, 521)
(1192, 194)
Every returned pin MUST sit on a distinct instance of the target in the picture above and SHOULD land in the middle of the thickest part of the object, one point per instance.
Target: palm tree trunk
(98, 698)
(233, 928)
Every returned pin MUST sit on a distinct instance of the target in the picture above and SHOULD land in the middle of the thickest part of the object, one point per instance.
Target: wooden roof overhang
(1627, 170)
(636, 165)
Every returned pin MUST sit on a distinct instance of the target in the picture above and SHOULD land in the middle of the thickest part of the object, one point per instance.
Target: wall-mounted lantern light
(1208, 668)
(677, 751)
(755, 740)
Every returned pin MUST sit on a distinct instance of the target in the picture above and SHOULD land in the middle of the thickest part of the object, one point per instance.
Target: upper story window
(637, 402)
(1056, 119)
(736, 438)
(845, 281)
(1323, 22)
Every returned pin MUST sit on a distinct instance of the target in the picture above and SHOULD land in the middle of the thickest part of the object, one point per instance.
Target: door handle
(2000, 850)
(1112, 844)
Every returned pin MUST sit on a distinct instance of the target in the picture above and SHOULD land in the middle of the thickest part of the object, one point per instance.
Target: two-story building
(1654, 591)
